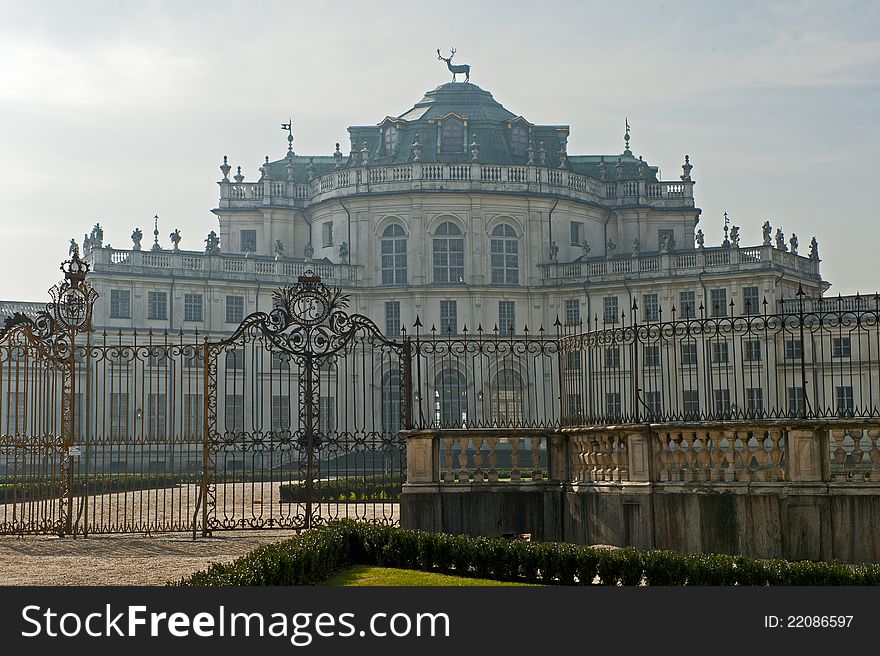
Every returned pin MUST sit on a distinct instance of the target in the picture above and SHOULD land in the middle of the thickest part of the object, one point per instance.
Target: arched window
(393, 251)
(504, 255)
(390, 139)
(519, 139)
(506, 397)
(452, 135)
(448, 253)
(450, 410)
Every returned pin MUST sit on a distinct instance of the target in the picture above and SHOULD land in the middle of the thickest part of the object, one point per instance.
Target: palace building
(460, 212)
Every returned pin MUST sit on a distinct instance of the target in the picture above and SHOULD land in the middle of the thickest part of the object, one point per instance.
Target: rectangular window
(392, 318)
(572, 312)
(793, 349)
(157, 406)
(796, 403)
(612, 405)
(718, 302)
(157, 305)
(234, 309)
(577, 232)
(654, 401)
(120, 304)
(651, 355)
(610, 312)
(651, 307)
(248, 241)
(752, 350)
(327, 414)
(572, 360)
(687, 305)
(118, 413)
(192, 307)
(754, 400)
(234, 413)
(280, 412)
(722, 402)
(845, 404)
(719, 352)
(841, 347)
(327, 234)
(507, 317)
(612, 357)
(448, 317)
(691, 403)
(688, 354)
(192, 415)
(751, 300)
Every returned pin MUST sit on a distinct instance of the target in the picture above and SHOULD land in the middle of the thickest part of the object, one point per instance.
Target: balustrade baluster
(478, 459)
(514, 459)
(839, 455)
(874, 435)
(448, 473)
(704, 459)
(762, 456)
(493, 459)
(858, 471)
(730, 474)
(536, 459)
(665, 457)
(745, 474)
(776, 454)
(463, 473)
(717, 455)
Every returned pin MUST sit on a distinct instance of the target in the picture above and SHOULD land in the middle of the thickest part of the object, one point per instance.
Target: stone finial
(238, 177)
(686, 168)
(602, 171)
(337, 155)
(264, 169)
(554, 250)
(136, 237)
(814, 249)
(542, 155)
(212, 244)
(780, 240)
(417, 149)
(279, 249)
(530, 151)
(310, 169)
(585, 249)
(156, 247)
(343, 252)
(794, 244)
(766, 231)
(225, 169)
(475, 148)
(610, 249)
(734, 236)
(637, 247)
(365, 155)
(701, 239)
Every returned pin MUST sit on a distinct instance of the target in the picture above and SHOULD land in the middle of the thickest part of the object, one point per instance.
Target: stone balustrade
(233, 267)
(684, 263)
(472, 177)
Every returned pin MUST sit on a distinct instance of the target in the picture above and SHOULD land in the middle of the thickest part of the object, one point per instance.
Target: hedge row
(369, 488)
(315, 555)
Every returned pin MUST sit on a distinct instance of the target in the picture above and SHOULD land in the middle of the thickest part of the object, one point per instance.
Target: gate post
(206, 405)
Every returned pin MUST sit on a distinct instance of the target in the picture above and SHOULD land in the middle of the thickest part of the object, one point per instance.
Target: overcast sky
(114, 112)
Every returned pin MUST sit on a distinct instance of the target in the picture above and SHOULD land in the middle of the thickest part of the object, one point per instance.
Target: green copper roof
(460, 98)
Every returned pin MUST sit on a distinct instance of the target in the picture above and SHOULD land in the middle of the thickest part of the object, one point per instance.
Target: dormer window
(519, 139)
(452, 135)
(389, 138)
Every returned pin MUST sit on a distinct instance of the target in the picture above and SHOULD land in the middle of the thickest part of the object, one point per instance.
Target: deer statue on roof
(455, 69)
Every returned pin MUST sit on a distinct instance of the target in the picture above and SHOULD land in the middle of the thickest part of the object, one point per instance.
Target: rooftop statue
(455, 69)
(136, 237)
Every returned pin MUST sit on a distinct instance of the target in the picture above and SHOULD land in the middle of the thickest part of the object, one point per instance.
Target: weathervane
(156, 248)
(289, 127)
(626, 150)
(726, 228)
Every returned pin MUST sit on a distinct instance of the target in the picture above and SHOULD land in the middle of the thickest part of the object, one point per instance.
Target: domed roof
(461, 98)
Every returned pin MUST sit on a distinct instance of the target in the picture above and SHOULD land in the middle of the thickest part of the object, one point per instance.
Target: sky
(119, 111)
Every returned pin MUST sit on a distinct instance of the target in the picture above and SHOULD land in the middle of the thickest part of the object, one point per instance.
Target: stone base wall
(791, 521)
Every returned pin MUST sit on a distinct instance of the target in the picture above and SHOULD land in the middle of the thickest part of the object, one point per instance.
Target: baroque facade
(462, 213)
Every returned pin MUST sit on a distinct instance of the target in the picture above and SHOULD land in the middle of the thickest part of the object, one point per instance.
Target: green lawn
(366, 575)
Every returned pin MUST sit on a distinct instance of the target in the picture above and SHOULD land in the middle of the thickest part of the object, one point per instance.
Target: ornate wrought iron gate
(290, 422)
(304, 408)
